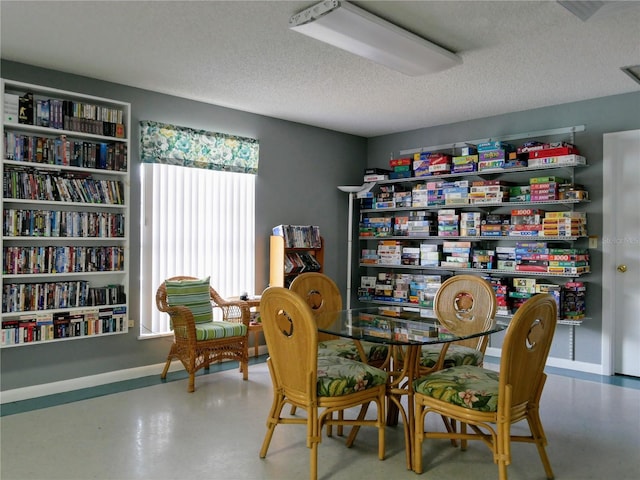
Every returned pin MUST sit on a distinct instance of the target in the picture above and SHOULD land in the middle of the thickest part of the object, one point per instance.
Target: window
(195, 221)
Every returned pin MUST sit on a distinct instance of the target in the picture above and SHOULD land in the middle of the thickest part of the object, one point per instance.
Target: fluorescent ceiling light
(351, 28)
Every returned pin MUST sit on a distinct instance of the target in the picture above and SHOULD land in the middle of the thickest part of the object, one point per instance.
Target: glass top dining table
(404, 332)
(391, 327)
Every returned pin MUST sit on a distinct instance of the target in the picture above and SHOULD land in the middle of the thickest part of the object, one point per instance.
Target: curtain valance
(184, 146)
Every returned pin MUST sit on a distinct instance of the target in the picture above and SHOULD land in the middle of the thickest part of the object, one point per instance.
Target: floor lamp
(352, 190)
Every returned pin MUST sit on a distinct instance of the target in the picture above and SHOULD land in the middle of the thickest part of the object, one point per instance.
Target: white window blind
(197, 223)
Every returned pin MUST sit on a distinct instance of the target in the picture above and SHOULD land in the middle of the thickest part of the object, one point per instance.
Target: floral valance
(173, 145)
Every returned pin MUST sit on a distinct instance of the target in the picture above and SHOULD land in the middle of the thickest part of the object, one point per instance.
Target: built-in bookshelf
(65, 211)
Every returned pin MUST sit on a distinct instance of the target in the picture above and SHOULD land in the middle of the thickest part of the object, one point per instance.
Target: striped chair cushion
(193, 294)
(211, 330)
(346, 348)
(456, 355)
(466, 386)
(339, 376)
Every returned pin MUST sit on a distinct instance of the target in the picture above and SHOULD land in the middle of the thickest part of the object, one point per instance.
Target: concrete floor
(163, 432)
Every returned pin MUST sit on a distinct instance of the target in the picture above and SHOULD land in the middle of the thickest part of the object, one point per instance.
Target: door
(621, 251)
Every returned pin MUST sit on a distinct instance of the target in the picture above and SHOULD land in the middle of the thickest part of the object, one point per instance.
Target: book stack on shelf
(299, 236)
(64, 151)
(44, 326)
(56, 223)
(27, 184)
(77, 116)
(300, 262)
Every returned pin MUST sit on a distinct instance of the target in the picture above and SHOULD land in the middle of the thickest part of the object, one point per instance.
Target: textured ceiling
(516, 56)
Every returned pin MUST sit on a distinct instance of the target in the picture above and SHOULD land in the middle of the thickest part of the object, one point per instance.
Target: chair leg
(356, 428)
(163, 375)
(192, 372)
(170, 357)
(535, 425)
(314, 433)
(418, 437)
(272, 422)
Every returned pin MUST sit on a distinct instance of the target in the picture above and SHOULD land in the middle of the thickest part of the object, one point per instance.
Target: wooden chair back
(525, 350)
(466, 304)
(291, 335)
(321, 294)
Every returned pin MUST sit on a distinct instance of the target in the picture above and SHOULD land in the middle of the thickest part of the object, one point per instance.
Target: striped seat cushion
(466, 386)
(212, 330)
(193, 294)
(456, 355)
(339, 376)
(346, 348)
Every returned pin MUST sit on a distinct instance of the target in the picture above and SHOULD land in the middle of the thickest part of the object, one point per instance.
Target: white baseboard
(560, 363)
(25, 393)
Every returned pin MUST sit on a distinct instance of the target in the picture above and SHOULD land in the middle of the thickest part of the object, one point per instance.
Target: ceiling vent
(633, 71)
(583, 10)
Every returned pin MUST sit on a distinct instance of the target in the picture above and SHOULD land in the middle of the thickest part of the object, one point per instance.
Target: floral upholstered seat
(456, 355)
(467, 386)
(346, 348)
(340, 376)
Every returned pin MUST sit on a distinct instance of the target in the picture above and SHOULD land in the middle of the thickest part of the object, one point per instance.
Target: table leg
(401, 384)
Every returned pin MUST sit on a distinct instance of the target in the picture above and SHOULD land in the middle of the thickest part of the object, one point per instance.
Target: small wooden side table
(254, 327)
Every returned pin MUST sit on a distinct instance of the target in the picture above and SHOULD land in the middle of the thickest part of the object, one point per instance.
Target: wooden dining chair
(320, 385)
(198, 339)
(488, 402)
(323, 296)
(463, 305)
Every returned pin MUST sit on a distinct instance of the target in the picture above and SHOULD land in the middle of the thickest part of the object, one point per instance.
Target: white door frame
(608, 254)
(610, 198)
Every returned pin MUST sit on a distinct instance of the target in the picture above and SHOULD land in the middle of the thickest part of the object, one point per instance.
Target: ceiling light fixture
(351, 28)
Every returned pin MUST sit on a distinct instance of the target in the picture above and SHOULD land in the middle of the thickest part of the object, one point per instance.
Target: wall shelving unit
(512, 174)
(65, 203)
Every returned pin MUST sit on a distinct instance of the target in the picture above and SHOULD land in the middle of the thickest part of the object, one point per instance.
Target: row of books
(26, 297)
(299, 236)
(299, 262)
(65, 114)
(22, 260)
(49, 326)
(66, 152)
(56, 223)
(27, 184)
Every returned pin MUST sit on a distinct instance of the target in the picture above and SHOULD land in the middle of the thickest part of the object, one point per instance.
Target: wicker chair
(463, 304)
(320, 385)
(322, 295)
(199, 340)
(488, 402)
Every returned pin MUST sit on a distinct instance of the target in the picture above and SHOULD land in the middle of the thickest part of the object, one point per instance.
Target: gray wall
(300, 167)
(603, 115)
